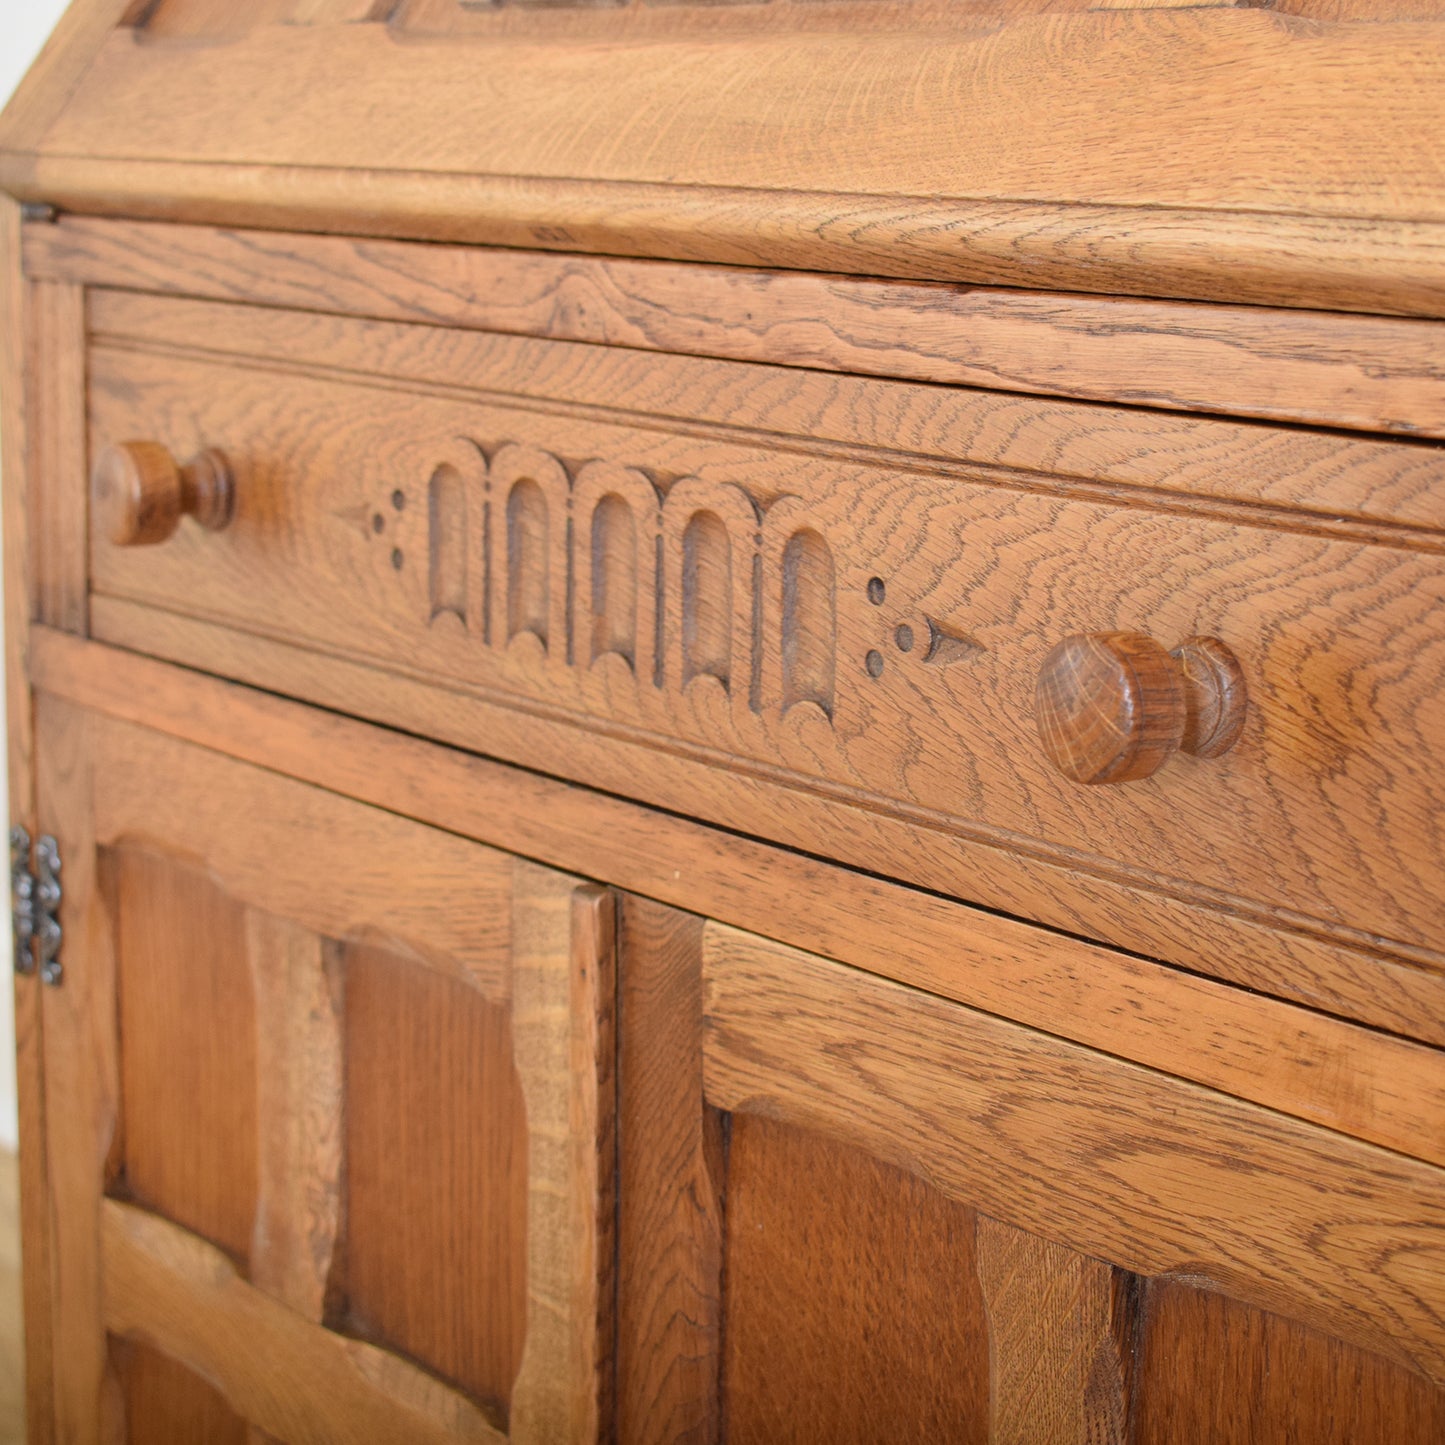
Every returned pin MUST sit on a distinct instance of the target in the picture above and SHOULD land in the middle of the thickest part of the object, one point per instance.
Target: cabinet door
(855, 1211)
(328, 1111)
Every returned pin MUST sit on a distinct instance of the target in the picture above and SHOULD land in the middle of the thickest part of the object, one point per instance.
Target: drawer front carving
(850, 622)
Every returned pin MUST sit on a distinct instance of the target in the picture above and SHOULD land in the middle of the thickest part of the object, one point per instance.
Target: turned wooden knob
(1115, 706)
(140, 493)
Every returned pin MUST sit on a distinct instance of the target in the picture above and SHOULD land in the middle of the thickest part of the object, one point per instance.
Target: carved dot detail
(397, 558)
(874, 663)
(398, 500)
(378, 524)
(904, 637)
(876, 593)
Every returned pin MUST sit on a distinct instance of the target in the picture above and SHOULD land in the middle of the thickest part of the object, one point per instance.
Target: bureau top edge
(909, 140)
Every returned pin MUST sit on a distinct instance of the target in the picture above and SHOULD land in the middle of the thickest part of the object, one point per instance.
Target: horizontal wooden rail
(1103, 1157)
(1370, 373)
(307, 1385)
(1355, 1080)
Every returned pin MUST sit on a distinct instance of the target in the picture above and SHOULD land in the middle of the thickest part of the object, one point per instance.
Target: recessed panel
(853, 1310)
(167, 1404)
(436, 1173)
(1213, 1369)
(187, 1047)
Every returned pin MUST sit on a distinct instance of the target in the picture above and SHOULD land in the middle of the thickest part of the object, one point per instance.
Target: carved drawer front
(916, 628)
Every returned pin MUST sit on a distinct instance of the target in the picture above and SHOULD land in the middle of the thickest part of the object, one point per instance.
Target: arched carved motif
(614, 579)
(530, 591)
(617, 562)
(528, 558)
(448, 543)
(800, 610)
(809, 642)
(709, 536)
(707, 599)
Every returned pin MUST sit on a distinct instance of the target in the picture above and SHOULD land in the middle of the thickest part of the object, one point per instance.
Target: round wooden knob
(141, 494)
(1115, 706)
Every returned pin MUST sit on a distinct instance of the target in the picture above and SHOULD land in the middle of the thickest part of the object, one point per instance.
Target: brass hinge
(35, 905)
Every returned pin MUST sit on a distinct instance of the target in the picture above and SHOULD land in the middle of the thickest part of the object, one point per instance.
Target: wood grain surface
(671, 1187)
(1379, 266)
(298, 1200)
(852, 1308)
(1061, 1340)
(310, 1386)
(57, 438)
(1345, 484)
(434, 896)
(253, 1111)
(1372, 373)
(16, 480)
(1325, 814)
(189, 1068)
(563, 1022)
(1211, 1368)
(435, 1135)
(1115, 1162)
(164, 1401)
(1286, 1057)
(845, 156)
(82, 1067)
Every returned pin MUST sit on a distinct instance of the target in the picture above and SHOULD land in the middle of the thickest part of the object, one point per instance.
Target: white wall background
(24, 24)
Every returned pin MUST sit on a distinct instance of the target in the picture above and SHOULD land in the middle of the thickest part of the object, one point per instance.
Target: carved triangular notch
(946, 647)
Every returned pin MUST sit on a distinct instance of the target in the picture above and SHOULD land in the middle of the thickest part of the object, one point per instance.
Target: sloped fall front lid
(1290, 155)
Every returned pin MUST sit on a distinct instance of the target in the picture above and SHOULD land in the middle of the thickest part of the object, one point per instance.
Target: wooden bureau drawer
(816, 607)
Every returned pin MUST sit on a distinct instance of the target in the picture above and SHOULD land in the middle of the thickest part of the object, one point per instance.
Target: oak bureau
(727, 721)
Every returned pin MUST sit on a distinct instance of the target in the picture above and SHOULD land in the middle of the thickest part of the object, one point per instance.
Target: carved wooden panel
(853, 1211)
(336, 1154)
(862, 623)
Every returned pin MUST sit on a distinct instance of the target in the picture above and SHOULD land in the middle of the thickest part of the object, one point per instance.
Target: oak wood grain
(434, 896)
(176, 107)
(671, 1187)
(18, 581)
(189, 1047)
(1341, 481)
(1060, 1347)
(82, 1067)
(196, 1115)
(1118, 1163)
(1211, 1368)
(1253, 257)
(1261, 258)
(165, 1402)
(1334, 370)
(296, 1203)
(852, 1308)
(436, 1146)
(1334, 971)
(563, 1020)
(312, 1387)
(331, 547)
(1280, 1055)
(56, 436)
